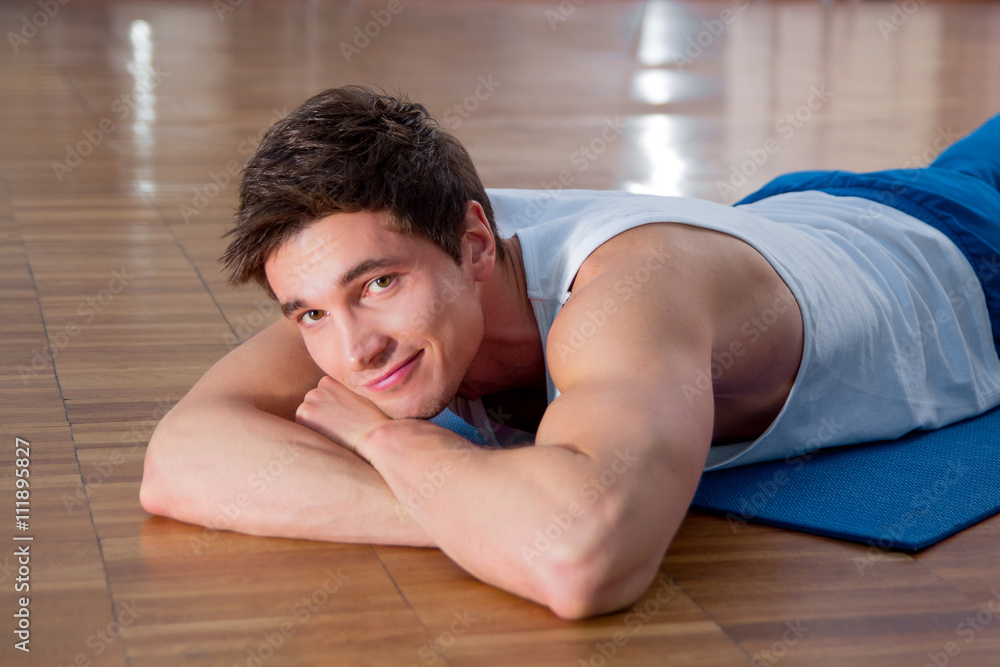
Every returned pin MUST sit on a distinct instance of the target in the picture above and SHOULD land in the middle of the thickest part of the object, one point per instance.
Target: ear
(480, 241)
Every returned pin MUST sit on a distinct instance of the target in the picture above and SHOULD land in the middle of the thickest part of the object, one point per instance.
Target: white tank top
(896, 332)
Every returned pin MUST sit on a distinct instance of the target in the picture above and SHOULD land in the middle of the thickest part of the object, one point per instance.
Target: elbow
(602, 562)
(578, 584)
(150, 495)
(154, 491)
(574, 601)
(580, 591)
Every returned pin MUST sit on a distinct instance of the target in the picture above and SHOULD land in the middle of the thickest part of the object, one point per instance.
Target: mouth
(396, 375)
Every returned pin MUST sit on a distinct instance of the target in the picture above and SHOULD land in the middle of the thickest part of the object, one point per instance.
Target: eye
(381, 283)
(311, 316)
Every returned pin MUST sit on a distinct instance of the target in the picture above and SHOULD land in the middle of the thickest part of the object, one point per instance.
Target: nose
(362, 342)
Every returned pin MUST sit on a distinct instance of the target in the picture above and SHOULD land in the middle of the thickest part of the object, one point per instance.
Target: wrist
(367, 444)
(412, 435)
(383, 437)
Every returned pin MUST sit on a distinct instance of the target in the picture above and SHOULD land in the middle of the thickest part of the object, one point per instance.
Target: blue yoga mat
(903, 494)
(456, 424)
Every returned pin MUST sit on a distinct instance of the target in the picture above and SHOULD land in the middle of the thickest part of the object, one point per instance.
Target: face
(389, 316)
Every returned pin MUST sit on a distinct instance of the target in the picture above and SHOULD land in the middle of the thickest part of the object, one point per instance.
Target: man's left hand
(335, 411)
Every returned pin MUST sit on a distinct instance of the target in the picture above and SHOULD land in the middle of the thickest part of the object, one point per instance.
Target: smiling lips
(396, 376)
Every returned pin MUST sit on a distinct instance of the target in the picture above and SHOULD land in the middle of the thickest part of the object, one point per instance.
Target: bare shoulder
(638, 296)
(686, 247)
(670, 304)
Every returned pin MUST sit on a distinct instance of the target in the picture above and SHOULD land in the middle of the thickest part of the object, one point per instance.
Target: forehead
(338, 233)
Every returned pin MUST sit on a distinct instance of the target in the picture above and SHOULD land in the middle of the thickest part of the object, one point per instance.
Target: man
(639, 339)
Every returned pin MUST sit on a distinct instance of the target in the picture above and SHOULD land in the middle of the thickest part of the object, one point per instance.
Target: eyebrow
(367, 266)
(290, 307)
(361, 268)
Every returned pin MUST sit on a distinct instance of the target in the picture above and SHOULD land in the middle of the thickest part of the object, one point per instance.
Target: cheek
(422, 313)
(462, 324)
(321, 357)
(449, 313)
(431, 311)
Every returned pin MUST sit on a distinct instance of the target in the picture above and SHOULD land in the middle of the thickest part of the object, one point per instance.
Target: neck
(510, 356)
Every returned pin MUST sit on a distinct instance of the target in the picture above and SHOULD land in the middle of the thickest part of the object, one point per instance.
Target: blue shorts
(958, 194)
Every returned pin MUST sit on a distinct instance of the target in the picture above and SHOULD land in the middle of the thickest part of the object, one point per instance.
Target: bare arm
(230, 455)
(579, 522)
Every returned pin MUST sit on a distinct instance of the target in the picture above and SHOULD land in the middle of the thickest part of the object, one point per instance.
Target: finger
(327, 382)
(300, 413)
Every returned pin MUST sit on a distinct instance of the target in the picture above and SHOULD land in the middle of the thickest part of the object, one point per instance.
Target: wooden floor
(122, 125)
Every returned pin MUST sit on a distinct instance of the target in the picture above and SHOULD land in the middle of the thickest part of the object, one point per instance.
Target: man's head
(349, 150)
(372, 229)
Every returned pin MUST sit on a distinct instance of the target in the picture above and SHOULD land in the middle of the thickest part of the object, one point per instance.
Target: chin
(425, 409)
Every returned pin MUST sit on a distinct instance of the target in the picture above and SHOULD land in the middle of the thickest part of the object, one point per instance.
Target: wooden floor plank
(64, 580)
(473, 626)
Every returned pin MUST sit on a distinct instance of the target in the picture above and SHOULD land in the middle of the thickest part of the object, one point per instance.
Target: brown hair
(351, 149)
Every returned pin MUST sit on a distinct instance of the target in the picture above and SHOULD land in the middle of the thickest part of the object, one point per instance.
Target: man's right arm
(230, 455)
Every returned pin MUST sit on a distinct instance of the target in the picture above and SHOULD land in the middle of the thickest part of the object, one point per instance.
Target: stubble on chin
(426, 411)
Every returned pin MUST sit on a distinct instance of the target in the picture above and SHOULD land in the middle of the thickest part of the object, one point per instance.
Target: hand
(335, 411)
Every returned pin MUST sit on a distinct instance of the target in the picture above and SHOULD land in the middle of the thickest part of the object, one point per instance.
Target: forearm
(532, 520)
(236, 467)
